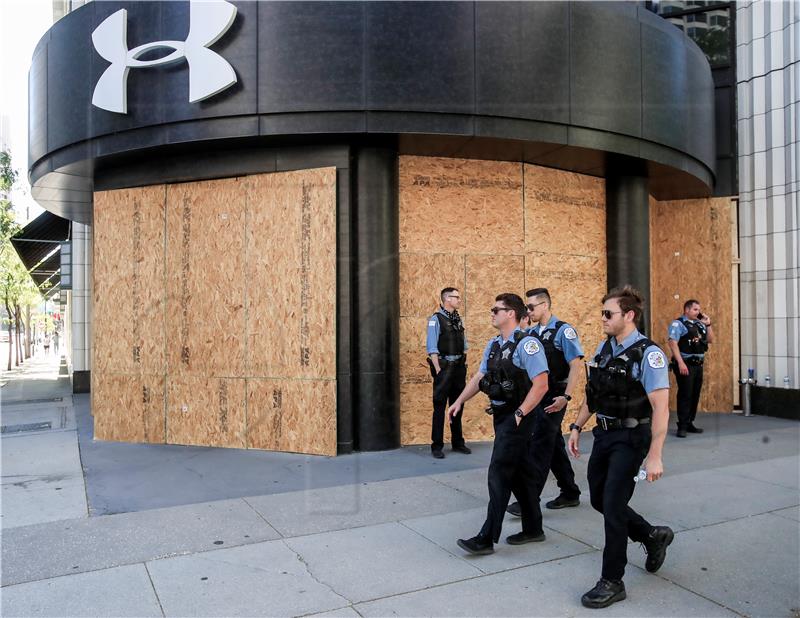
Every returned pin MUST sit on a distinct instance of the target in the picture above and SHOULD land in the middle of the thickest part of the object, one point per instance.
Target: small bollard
(745, 390)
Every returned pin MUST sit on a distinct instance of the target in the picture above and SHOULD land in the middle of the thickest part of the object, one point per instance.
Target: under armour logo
(209, 73)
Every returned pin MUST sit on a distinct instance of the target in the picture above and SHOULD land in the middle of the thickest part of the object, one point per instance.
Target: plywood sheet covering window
(228, 281)
(206, 278)
(690, 248)
(488, 227)
(291, 252)
(291, 415)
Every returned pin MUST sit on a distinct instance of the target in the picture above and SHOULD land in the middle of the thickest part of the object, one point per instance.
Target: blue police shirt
(652, 372)
(432, 337)
(528, 355)
(677, 330)
(566, 339)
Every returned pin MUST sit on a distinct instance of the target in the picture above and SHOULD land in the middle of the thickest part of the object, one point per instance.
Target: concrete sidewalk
(375, 535)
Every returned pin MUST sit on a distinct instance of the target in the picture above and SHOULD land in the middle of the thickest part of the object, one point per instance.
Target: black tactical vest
(695, 341)
(612, 390)
(504, 381)
(556, 363)
(451, 339)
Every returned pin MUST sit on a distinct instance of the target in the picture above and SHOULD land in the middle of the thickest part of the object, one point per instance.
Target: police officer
(689, 336)
(628, 389)
(447, 349)
(564, 353)
(513, 373)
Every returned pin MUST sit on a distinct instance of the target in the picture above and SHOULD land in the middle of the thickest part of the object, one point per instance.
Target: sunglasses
(497, 310)
(532, 307)
(607, 314)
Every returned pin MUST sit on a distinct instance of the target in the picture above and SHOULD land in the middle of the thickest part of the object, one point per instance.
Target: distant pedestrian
(47, 344)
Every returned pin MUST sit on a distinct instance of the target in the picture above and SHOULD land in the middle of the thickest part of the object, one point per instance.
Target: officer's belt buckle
(603, 422)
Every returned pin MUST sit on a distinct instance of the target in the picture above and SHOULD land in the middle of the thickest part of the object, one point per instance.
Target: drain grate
(26, 427)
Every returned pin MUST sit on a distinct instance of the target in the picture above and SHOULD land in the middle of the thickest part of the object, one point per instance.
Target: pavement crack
(461, 558)
(155, 592)
(314, 577)
(264, 519)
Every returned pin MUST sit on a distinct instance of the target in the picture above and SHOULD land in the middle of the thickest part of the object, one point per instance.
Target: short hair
(536, 292)
(446, 291)
(513, 302)
(689, 303)
(629, 299)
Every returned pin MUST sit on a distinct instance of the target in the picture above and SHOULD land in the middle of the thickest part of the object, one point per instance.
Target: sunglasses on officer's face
(533, 306)
(605, 313)
(497, 310)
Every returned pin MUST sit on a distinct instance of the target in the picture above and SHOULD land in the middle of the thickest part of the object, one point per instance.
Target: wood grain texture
(690, 248)
(296, 416)
(128, 245)
(206, 411)
(128, 408)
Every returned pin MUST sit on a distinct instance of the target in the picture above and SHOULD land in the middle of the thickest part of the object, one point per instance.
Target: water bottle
(785, 381)
(767, 381)
(641, 476)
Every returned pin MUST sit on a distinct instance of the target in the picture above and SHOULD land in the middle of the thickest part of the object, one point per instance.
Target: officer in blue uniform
(628, 389)
(689, 336)
(513, 373)
(564, 353)
(447, 358)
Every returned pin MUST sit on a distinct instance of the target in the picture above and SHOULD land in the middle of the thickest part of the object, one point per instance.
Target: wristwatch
(567, 397)
(578, 428)
(518, 413)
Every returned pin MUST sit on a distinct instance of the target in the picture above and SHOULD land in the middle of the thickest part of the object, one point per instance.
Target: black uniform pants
(688, 393)
(512, 469)
(616, 458)
(447, 386)
(559, 461)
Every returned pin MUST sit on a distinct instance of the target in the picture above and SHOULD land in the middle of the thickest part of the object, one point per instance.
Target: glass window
(710, 28)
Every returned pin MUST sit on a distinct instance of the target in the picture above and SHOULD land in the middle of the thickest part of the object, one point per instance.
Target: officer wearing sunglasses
(513, 373)
(628, 389)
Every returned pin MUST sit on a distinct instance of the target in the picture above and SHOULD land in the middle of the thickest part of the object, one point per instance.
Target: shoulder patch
(531, 347)
(676, 324)
(570, 333)
(656, 359)
(432, 323)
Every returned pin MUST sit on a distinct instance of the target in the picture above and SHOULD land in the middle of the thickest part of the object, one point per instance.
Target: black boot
(477, 545)
(605, 592)
(656, 547)
(692, 429)
(514, 509)
(562, 502)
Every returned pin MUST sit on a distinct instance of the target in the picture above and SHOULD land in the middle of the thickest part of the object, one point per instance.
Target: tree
(17, 290)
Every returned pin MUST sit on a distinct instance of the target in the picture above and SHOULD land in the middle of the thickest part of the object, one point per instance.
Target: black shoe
(437, 454)
(520, 538)
(656, 547)
(693, 429)
(681, 433)
(462, 449)
(562, 502)
(477, 546)
(604, 594)
(514, 509)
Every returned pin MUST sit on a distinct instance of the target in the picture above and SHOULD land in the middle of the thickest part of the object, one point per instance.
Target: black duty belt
(607, 424)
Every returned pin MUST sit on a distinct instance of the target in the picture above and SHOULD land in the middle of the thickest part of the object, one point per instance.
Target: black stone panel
(420, 56)
(37, 110)
(521, 49)
(699, 113)
(605, 67)
(310, 56)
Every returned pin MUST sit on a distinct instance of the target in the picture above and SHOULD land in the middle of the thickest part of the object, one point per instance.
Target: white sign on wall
(209, 73)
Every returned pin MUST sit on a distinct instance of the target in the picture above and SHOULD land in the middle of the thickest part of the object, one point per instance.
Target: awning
(38, 245)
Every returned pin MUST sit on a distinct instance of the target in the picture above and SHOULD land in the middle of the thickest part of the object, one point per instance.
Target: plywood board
(206, 285)
(460, 205)
(422, 278)
(206, 411)
(691, 258)
(564, 212)
(291, 274)
(128, 408)
(128, 311)
(292, 415)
